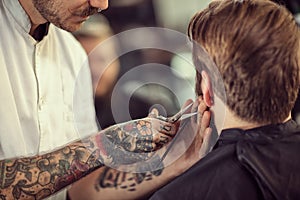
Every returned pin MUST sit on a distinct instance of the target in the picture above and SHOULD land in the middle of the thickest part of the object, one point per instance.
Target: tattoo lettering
(112, 178)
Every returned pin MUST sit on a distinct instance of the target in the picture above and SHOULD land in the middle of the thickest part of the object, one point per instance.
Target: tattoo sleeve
(40, 176)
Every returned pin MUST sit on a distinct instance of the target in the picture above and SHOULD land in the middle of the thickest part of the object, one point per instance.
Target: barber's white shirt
(39, 102)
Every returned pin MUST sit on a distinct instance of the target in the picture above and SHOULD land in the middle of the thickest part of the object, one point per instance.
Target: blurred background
(125, 15)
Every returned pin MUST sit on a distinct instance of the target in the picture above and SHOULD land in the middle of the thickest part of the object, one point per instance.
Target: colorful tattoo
(134, 137)
(40, 176)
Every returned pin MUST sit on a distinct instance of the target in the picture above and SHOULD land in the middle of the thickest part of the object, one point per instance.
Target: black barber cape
(260, 163)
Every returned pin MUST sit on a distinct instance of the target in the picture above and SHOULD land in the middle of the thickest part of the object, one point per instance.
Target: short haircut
(255, 46)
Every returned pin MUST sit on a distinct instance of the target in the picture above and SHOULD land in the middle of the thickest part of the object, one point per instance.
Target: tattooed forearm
(40, 176)
(111, 178)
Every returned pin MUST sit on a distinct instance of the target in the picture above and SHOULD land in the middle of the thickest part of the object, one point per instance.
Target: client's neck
(232, 121)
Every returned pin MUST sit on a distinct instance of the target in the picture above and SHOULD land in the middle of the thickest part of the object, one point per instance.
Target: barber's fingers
(201, 131)
(202, 107)
(151, 143)
(205, 147)
(205, 122)
(167, 128)
(161, 139)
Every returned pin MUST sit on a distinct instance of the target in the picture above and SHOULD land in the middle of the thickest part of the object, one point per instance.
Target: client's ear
(206, 89)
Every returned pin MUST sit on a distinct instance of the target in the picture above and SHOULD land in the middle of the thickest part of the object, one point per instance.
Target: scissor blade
(185, 116)
(178, 115)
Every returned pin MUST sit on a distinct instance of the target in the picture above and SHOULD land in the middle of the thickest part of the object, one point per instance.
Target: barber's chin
(73, 24)
(72, 27)
(79, 19)
(77, 25)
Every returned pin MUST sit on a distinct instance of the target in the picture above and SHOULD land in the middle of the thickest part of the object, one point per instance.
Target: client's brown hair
(255, 45)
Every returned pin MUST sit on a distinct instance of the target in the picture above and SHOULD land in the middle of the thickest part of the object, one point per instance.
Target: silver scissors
(180, 115)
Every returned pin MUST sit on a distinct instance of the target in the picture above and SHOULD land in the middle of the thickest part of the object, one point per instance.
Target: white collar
(18, 13)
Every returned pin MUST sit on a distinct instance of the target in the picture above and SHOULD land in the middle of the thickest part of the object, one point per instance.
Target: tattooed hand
(133, 141)
(141, 136)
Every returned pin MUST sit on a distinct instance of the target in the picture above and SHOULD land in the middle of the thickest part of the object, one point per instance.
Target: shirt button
(41, 103)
